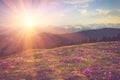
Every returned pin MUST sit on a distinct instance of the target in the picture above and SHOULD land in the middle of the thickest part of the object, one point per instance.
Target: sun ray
(23, 16)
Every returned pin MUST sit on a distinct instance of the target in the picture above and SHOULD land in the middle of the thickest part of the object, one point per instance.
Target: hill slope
(11, 42)
(95, 61)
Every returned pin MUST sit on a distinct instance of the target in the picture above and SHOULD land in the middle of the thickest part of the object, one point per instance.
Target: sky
(59, 12)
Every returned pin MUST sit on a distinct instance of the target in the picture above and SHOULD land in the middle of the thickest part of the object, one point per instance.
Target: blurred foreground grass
(94, 61)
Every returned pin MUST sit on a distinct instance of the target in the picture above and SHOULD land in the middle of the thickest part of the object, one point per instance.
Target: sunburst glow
(29, 22)
(24, 18)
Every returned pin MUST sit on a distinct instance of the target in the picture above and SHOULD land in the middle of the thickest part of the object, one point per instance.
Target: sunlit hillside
(93, 61)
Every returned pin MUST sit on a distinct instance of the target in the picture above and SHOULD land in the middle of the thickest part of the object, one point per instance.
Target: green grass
(94, 61)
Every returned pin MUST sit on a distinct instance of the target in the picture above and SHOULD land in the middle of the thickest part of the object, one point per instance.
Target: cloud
(105, 13)
(102, 11)
(75, 28)
(104, 20)
(99, 13)
(77, 2)
(72, 3)
(115, 13)
(100, 16)
(84, 11)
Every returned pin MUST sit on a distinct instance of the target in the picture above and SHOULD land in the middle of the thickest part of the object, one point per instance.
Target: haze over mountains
(75, 28)
(12, 43)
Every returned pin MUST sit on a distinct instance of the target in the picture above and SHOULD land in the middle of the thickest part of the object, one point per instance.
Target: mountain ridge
(13, 44)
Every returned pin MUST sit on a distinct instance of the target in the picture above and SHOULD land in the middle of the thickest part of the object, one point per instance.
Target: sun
(26, 20)
(29, 23)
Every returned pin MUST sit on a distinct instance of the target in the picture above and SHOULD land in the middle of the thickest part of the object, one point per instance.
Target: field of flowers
(93, 61)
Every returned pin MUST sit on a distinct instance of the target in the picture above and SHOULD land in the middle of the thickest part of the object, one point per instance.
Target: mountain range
(12, 43)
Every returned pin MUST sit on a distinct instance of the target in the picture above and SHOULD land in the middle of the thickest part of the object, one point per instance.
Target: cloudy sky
(60, 12)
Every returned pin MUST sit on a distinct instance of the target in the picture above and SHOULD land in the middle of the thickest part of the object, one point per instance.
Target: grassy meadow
(91, 61)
